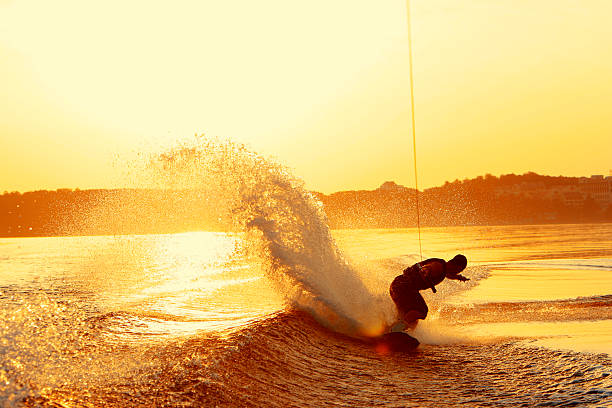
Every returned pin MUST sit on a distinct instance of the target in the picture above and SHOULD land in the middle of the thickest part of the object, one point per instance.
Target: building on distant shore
(597, 188)
(392, 186)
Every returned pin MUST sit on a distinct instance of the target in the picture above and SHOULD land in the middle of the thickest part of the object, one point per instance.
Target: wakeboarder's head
(456, 265)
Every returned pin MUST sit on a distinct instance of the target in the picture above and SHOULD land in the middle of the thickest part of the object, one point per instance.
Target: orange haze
(500, 87)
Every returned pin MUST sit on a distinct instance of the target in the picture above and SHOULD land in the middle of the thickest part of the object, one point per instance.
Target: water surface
(193, 320)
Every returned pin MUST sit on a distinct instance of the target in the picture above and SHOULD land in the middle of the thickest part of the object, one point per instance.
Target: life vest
(424, 277)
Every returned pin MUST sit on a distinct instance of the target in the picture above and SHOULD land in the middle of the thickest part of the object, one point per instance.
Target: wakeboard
(395, 341)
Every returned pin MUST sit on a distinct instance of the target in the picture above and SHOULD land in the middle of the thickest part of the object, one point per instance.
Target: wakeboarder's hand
(458, 277)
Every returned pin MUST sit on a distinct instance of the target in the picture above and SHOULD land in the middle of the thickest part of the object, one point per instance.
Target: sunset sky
(505, 86)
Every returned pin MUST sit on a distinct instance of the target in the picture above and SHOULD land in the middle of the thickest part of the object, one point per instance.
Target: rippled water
(282, 311)
(192, 320)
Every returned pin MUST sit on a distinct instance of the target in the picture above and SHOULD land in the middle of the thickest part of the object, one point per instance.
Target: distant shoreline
(528, 199)
(426, 227)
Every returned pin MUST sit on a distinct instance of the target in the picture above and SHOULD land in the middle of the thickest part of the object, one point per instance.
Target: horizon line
(316, 191)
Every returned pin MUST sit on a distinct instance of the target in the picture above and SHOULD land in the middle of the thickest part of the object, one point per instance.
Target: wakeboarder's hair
(460, 261)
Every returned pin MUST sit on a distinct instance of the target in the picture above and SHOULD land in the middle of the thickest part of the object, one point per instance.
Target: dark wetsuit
(405, 291)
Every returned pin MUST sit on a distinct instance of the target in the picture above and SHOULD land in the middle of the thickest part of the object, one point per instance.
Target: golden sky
(322, 86)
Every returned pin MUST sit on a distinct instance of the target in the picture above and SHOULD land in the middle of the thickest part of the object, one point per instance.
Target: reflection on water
(544, 281)
(188, 282)
(190, 319)
(585, 336)
(484, 244)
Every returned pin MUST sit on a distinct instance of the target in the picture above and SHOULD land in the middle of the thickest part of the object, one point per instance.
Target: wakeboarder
(426, 274)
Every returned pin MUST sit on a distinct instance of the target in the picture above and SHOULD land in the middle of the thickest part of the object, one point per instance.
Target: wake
(285, 227)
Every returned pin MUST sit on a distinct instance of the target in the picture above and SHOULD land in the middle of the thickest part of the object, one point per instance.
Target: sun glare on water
(192, 282)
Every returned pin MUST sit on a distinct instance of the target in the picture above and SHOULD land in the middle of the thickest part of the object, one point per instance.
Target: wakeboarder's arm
(457, 277)
(420, 265)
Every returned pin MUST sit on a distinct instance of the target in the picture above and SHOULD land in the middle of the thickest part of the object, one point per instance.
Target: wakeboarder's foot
(399, 326)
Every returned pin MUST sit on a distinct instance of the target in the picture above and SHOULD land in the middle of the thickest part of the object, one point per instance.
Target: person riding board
(423, 275)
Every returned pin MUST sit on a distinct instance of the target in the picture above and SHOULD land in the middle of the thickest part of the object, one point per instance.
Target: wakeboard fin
(396, 341)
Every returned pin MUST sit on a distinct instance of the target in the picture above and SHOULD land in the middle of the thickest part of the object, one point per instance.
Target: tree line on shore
(475, 201)
(126, 211)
